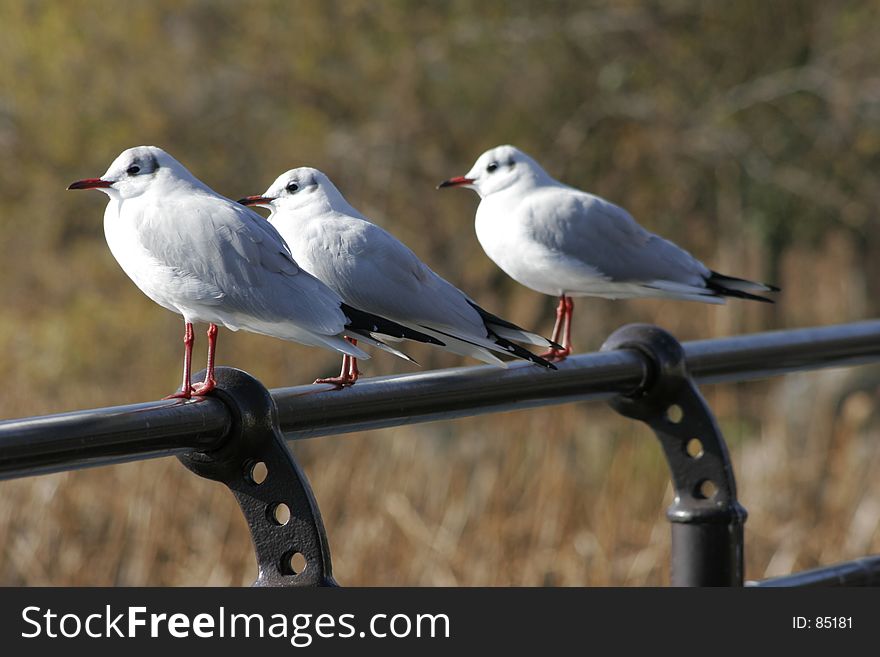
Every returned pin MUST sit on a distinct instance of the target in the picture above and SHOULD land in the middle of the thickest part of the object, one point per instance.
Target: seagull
(215, 261)
(564, 242)
(370, 268)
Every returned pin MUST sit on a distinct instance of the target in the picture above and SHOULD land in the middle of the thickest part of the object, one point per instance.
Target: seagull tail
(367, 338)
(496, 343)
(740, 288)
(464, 347)
(336, 343)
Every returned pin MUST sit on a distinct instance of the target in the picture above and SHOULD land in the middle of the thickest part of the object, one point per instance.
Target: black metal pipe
(762, 355)
(306, 412)
(706, 553)
(103, 436)
(860, 572)
(111, 435)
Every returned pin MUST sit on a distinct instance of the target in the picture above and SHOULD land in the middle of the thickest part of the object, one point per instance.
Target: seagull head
(298, 189)
(497, 169)
(134, 171)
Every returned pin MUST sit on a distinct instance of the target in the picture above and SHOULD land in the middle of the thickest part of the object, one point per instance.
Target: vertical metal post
(272, 491)
(707, 520)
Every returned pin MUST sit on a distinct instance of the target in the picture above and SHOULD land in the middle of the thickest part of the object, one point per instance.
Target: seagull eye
(292, 187)
(133, 170)
(491, 166)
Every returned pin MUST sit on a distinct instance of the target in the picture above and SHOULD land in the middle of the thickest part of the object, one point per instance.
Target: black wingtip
(739, 294)
(515, 350)
(728, 286)
(491, 318)
(363, 322)
(495, 319)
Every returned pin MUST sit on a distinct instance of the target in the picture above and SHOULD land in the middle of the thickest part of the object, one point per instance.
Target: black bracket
(707, 520)
(274, 494)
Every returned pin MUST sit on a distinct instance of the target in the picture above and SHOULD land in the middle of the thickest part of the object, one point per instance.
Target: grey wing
(605, 237)
(232, 250)
(385, 277)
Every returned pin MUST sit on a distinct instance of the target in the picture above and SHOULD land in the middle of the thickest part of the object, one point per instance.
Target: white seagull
(564, 242)
(212, 260)
(371, 269)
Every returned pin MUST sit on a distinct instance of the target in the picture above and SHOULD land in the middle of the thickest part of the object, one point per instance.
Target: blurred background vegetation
(747, 132)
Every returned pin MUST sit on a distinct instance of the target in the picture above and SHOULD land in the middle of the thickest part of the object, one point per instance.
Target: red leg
(209, 383)
(186, 386)
(560, 313)
(563, 327)
(353, 371)
(566, 334)
(349, 373)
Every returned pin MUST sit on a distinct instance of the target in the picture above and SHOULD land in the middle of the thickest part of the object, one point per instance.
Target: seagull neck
(334, 201)
(188, 183)
(536, 177)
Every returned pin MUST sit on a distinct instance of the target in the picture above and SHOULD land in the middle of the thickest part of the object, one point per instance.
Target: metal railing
(641, 371)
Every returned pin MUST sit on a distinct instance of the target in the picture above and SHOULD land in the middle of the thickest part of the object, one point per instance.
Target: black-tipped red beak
(456, 182)
(90, 183)
(256, 200)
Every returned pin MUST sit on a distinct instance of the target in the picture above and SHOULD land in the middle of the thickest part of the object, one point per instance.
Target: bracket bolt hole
(674, 414)
(294, 563)
(694, 448)
(705, 490)
(279, 514)
(256, 472)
